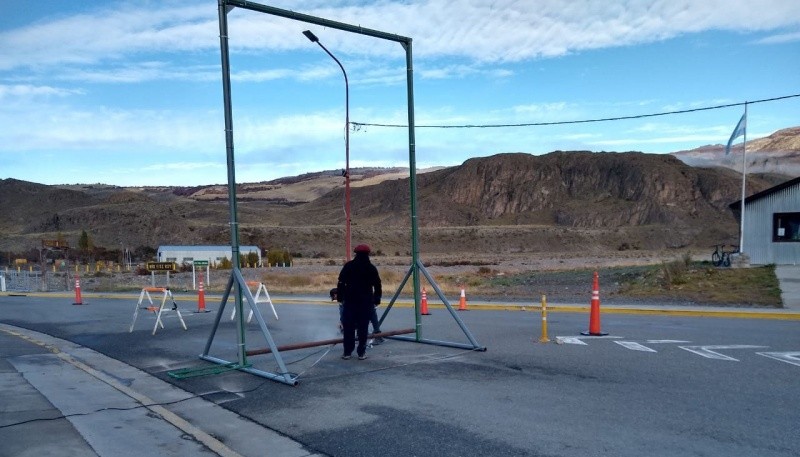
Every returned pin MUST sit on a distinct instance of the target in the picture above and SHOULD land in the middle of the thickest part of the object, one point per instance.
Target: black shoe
(346, 357)
(362, 357)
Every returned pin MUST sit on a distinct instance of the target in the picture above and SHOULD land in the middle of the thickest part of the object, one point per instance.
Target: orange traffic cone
(201, 296)
(78, 299)
(594, 314)
(424, 303)
(462, 304)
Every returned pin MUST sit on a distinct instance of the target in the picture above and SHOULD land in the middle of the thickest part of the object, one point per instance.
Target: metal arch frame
(236, 278)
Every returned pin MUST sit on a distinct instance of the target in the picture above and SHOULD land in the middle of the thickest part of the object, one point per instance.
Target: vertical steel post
(412, 182)
(226, 94)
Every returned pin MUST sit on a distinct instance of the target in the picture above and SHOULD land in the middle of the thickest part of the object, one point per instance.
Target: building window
(785, 227)
(188, 259)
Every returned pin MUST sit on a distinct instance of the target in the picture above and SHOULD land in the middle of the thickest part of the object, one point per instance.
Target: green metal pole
(226, 94)
(412, 182)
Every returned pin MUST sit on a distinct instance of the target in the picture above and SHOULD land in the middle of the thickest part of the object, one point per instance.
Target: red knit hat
(362, 248)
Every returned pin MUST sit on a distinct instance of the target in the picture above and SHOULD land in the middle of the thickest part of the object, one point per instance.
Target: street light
(313, 38)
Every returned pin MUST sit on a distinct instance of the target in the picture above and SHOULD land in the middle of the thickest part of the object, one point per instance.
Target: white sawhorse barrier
(256, 296)
(158, 310)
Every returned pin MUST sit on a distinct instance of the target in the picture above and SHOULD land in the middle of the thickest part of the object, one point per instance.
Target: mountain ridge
(511, 202)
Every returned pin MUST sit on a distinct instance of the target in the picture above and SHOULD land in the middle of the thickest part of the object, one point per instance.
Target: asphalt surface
(75, 381)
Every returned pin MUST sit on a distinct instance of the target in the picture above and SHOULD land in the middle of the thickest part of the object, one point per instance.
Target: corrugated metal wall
(210, 253)
(758, 228)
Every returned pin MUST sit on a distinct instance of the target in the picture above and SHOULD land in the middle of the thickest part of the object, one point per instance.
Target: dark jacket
(359, 285)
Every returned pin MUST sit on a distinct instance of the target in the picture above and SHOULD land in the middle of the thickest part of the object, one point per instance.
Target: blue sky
(129, 92)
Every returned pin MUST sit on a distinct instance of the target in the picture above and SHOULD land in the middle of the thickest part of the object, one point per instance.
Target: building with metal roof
(772, 224)
(212, 254)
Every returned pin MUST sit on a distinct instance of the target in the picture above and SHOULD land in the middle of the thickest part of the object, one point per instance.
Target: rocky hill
(778, 153)
(507, 204)
(504, 204)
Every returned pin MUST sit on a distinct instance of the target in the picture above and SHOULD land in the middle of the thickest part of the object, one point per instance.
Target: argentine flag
(737, 132)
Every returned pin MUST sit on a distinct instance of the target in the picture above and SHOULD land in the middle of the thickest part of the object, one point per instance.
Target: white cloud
(503, 30)
(27, 92)
(780, 38)
(182, 166)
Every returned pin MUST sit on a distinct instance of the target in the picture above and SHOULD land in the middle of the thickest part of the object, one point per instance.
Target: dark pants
(355, 321)
(376, 323)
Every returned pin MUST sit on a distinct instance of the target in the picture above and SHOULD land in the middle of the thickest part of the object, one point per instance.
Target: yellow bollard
(544, 338)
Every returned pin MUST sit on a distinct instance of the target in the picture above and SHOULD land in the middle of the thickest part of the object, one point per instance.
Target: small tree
(252, 259)
(279, 256)
(83, 241)
(85, 245)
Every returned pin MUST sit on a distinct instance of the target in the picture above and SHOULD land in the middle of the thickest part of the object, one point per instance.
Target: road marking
(788, 357)
(569, 340)
(667, 341)
(708, 351)
(634, 346)
(578, 339)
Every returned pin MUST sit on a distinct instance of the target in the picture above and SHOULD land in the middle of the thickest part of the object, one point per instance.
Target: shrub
(674, 273)
(279, 256)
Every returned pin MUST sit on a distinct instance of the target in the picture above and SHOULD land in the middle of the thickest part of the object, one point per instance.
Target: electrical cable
(389, 367)
(192, 397)
(130, 408)
(358, 125)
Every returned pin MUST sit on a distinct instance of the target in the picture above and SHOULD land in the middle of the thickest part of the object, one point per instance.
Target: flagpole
(744, 176)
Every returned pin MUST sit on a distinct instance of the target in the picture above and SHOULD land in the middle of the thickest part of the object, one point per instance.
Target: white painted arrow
(710, 353)
(578, 339)
(632, 345)
(569, 340)
(788, 357)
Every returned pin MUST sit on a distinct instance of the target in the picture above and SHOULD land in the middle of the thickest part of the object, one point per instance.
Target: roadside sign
(161, 266)
(201, 263)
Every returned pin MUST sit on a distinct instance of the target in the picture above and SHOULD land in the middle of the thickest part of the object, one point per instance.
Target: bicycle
(721, 257)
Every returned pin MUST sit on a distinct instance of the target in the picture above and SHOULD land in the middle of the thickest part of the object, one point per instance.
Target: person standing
(359, 291)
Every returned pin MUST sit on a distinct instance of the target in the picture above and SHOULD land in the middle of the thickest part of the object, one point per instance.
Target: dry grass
(703, 283)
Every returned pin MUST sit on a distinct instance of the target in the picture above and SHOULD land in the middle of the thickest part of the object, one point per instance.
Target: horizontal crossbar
(311, 344)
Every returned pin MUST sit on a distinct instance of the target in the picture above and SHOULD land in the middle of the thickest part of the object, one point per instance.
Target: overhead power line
(357, 125)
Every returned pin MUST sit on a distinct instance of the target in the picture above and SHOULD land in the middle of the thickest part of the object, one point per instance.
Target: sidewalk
(58, 398)
(789, 278)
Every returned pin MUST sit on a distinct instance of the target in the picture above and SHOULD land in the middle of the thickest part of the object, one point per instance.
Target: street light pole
(347, 237)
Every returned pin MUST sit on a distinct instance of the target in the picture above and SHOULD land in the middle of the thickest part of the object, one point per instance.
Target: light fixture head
(313, 38)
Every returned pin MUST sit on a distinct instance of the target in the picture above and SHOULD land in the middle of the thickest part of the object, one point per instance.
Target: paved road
(660, 385)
